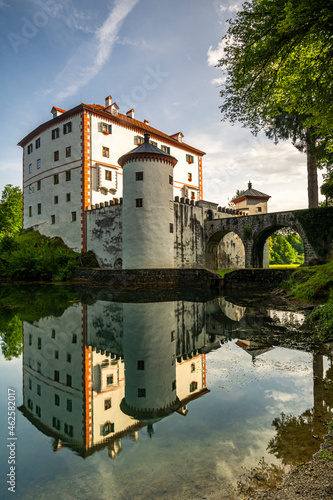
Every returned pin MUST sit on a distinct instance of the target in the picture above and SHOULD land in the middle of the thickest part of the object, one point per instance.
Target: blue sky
(157, 56)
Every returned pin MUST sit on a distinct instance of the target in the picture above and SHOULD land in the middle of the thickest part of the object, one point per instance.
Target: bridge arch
(217, 256)
(255, 259)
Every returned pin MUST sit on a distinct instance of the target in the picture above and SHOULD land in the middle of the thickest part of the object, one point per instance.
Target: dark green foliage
(321, 320)
(31, 256)
(247, 232)
(318, 226)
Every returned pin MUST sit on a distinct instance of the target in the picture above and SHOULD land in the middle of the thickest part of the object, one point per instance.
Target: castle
(134, 208)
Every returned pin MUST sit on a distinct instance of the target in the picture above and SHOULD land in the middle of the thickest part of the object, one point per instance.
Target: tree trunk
(311, 162)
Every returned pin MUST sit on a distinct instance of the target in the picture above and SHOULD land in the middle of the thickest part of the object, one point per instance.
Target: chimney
(249, 185)
(147, 137)
(130, 113)
(108, 101)
(146, 122)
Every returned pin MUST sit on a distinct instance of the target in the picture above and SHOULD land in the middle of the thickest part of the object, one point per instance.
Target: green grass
(283, 266)
(223, 272)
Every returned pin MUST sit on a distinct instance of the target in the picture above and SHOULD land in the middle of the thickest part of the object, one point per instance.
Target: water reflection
(106, 373)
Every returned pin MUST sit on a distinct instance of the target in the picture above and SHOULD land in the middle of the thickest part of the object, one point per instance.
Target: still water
(153, 396)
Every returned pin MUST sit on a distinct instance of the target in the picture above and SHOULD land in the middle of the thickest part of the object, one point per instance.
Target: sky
(156, 56)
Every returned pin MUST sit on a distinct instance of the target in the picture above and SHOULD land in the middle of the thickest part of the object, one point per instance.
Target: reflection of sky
(188, 457)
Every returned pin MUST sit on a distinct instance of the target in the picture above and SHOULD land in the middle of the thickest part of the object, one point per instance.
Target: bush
(31, 256)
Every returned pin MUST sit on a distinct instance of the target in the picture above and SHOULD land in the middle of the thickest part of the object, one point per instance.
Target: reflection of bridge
(253, 230)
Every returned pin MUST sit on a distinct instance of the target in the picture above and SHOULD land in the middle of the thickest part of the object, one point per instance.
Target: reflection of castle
(75, 389)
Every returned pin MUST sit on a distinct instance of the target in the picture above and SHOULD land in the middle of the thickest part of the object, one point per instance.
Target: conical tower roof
(146, 150)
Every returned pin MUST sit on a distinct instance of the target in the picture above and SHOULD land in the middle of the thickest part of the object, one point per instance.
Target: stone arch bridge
(254, 230)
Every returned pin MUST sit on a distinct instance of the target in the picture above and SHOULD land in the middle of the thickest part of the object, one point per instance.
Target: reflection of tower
(148, 215)
(254, 348)
(150, 364)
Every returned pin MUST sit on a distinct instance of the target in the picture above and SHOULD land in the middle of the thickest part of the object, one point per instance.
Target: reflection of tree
(262, 477)
(11, 337)
(296, 438)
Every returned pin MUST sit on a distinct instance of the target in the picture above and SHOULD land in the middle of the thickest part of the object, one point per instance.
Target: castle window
(56, 423)
(52, 219)
(68, 175)
(30, 383)
(38, 163)
(189, 159)
(39, 367)
(37, 143)
(174, 385)
(56, 155)
(68, 197)
(170, 179)
(56, 375)
(139, 176)
(68, 152)
(171, 227)
(30, 211)
(55, 133)
(189, 176)
(67, 128)
(109, 380)
(105, 152)
(56, 199)
(173, 335)
(56, 400)
(56, 354)
(30, 363)
(107, 403)
(69, 430)
(258, 209)
(141, 393)
(193, 386)
(56, 179)
(30, 405)
(31, 189)
(69, 405)
(105, 128)
(30, 168)
(192, 195)
(69, 358)
(138, 202)
(30, 339)
(38, 411)
(39, 390)
(38, 185)
(107, 428)
(153, 143)
(73, 216)
(141, 365)
(108, 175)
(192, 367)
(30, 148)
(68, 380)
(53, 331)
(74, 338)
(138, 139)
(165, 149)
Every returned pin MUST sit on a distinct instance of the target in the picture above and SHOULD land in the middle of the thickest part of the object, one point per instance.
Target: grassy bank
(315, 285)
(30, 256)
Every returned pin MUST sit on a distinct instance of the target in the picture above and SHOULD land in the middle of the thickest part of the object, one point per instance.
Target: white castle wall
(105, 235)
(64, 226)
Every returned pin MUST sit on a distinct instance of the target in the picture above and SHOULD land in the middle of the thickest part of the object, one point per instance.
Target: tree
(238, 193)
(11, 204)
(277, 57)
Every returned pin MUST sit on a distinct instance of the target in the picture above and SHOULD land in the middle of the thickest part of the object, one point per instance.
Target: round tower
(148, 216)
(150, 360)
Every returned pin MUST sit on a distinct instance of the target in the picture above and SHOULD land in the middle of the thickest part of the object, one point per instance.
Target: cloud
(90, 57)
(218, 81)
(3, 4)
(214, 55)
